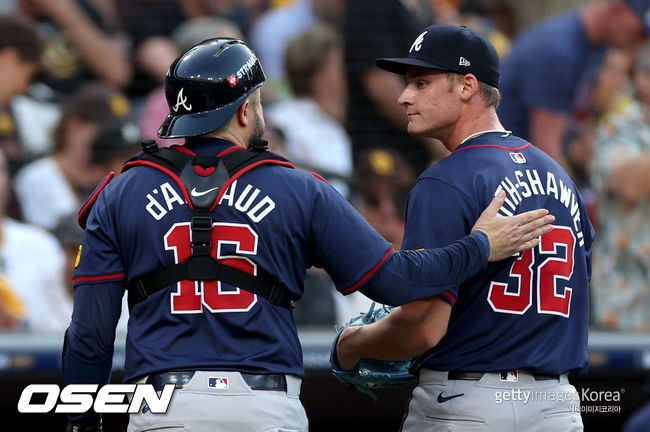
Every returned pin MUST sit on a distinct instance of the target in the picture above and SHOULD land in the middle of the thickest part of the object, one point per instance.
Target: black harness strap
(201, 265)
(206, 268)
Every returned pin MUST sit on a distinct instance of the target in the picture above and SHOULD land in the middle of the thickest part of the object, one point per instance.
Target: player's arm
(630, 180)
(408, 275)
(104, 54)
(547, 130)
(412, 329)
(88, 346)
(98, 281)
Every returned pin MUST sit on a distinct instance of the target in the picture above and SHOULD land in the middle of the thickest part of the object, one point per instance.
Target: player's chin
(415, 130)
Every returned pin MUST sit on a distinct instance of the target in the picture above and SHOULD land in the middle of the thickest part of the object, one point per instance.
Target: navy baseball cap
(642, 9)
(452, 48)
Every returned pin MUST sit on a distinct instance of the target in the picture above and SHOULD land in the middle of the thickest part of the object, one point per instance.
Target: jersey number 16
(553, 296)
(190, 296)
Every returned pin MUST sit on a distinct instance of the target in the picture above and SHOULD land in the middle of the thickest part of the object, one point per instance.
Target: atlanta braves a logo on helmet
(417, 44)
(181, 101)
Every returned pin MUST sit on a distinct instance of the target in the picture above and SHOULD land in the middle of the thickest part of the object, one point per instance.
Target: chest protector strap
(203, 181)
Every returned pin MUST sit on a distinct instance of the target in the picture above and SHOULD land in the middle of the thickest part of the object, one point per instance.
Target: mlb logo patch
(518, 158)
(232, 80)
(510, 376)
(218, 382)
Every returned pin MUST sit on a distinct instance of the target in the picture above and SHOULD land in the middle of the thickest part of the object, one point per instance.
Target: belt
(475, 376)
(254, 381)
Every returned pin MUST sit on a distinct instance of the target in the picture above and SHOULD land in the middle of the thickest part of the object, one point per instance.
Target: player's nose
(405, 97)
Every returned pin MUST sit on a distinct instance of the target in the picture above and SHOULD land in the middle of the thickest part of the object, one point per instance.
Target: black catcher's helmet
(206, 85)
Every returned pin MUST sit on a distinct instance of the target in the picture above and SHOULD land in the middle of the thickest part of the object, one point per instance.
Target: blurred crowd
(81, 83)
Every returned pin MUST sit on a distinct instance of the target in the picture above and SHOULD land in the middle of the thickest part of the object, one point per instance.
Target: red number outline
(548, 272)
(210, 294)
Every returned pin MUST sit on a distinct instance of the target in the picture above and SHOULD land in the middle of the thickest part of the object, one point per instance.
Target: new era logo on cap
(449, 47)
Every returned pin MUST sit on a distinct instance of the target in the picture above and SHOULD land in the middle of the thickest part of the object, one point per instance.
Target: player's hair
(307, 54)
(490, 94)
(19, 32)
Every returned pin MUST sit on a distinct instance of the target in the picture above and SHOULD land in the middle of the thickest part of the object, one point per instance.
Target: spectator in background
(82, 42)
(621, 176)
(20, 49)
(144, 19)
(612, 93)
(315, 140)
(56, 186)
(551, 69)
(274, 29)
(156, 54)
(382, 181)
(372, 29)
(240, 12)
(311, 121)
(31, 273)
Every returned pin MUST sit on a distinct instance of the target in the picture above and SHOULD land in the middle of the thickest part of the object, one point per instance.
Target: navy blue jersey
(529, 311)
(267, 219)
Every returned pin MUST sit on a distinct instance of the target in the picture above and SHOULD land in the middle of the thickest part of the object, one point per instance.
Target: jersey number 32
(553, 270)
(190, 296)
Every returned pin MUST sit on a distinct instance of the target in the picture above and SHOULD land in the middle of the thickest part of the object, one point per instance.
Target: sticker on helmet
(181, 100)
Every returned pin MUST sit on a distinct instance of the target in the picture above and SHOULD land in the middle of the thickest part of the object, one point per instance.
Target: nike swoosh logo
(196, 193)
(442, 398)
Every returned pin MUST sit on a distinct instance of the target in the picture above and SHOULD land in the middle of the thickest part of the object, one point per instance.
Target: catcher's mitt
(371, 373)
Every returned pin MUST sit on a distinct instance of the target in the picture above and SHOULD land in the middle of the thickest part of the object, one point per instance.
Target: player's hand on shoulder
(511, 234)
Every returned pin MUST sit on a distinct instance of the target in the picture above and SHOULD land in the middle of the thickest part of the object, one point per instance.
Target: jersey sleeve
(437, 214)
(99, 259)
(342, 242)
(99, 288)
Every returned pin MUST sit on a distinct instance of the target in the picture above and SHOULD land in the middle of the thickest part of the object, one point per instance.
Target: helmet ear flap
(205, 86)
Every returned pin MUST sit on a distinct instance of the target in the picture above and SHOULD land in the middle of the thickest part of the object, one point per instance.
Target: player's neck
(485, 121)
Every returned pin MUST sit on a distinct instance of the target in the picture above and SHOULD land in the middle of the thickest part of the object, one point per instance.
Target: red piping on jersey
(81, 218)
(243, 171)
(183, 150)
(97, 278)
(492, 145)
(450, 296)
(166, 171)
(230, 150)
(370, 273)
(319, 177)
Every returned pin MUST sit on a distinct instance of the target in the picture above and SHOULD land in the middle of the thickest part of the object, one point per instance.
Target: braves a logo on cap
(232, 80)
(181, 100)
(417, 44)
(518, 157)
(463, 62)
(510, 376)
(218, 382)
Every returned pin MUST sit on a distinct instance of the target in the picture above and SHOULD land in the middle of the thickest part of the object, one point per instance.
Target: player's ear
(470, 87)
(244, 113)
